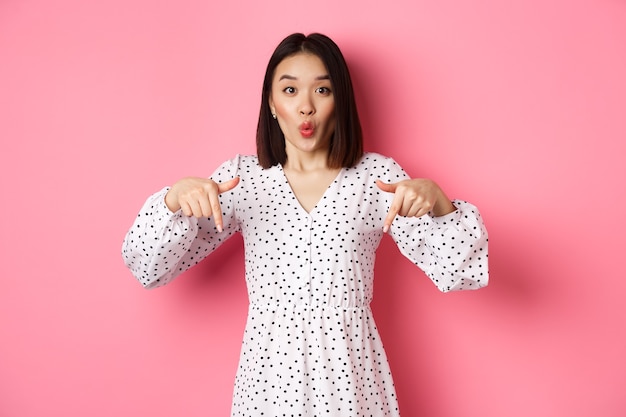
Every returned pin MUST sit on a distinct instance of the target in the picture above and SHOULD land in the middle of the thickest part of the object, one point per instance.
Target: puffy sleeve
(451, 249)
(160, 245)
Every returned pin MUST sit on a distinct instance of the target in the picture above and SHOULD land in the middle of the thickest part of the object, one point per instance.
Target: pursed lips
(307, 129)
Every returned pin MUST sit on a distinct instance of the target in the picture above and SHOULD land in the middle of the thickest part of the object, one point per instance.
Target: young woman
(312, 209)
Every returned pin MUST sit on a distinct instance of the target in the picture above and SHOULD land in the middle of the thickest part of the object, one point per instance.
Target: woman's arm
(178, 227)
(446, 239)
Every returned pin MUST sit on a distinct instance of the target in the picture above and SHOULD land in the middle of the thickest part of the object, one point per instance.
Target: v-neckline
(295, 197)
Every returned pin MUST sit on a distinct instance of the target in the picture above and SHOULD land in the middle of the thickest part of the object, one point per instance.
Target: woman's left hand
(414, 198)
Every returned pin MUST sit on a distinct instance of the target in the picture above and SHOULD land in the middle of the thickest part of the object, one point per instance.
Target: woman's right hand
(198, 197)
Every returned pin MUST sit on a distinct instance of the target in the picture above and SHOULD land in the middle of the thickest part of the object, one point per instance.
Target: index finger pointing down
(393, 212)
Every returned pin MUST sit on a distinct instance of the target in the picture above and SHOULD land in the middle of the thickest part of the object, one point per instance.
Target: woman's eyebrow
(291, 77)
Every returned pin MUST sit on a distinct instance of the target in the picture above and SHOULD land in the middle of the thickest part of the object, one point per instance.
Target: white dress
(310, 345)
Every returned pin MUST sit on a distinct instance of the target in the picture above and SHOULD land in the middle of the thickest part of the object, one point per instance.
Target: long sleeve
(160, 244)
(451, 249)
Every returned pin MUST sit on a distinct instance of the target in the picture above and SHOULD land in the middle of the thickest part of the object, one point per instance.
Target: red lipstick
(307, 130)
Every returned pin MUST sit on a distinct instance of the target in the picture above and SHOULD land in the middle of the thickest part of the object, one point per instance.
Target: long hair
(346, 145)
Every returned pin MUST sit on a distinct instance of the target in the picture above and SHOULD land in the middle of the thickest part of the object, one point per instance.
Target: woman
(312, 209)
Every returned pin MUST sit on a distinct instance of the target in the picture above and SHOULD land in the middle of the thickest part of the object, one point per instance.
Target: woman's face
(303, 102)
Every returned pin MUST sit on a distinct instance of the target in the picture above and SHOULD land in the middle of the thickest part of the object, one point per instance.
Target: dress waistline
(302, 306)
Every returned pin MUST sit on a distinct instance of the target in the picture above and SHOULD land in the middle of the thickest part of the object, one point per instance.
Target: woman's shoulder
(243, 162)
(248, 167)
(379, 166)
(374, 157)
(237, 165)
(373, 160)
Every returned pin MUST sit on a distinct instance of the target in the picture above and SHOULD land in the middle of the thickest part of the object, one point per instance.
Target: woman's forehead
(299, 65)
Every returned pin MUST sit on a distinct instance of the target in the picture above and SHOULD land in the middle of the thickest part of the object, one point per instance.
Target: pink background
(517, 106)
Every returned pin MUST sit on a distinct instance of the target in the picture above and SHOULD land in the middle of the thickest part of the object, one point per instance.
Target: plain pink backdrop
(518, 106)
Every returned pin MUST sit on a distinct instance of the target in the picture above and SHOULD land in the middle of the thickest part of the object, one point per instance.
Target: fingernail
(219, 228)
(385, 229)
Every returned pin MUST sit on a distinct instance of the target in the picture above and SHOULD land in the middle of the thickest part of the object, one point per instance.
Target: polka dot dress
(310, 345)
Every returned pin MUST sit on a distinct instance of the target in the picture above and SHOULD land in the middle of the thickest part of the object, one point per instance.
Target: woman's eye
(324, 90)
(289, 90)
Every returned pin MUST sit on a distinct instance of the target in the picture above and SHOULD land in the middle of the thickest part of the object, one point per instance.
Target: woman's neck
(307, 162)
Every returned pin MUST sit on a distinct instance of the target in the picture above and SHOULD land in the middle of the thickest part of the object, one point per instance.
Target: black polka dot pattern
(310, 346)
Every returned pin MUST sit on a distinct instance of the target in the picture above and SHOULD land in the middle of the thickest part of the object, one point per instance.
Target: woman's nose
(306, 107)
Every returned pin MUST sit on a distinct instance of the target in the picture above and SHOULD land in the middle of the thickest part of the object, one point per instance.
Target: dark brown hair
(346, 146)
